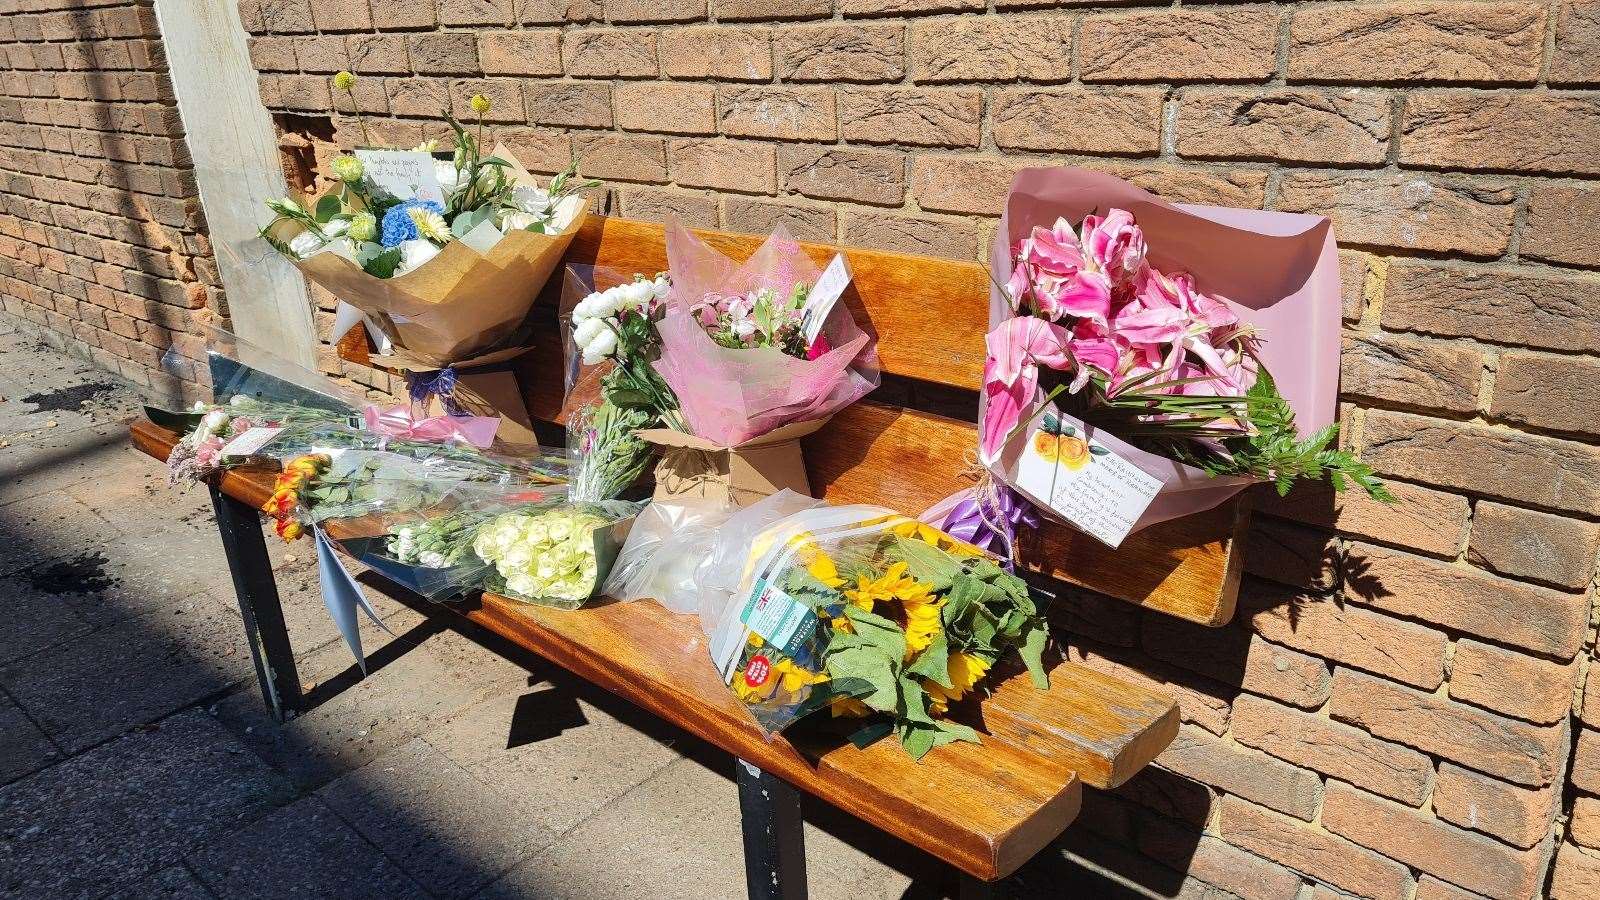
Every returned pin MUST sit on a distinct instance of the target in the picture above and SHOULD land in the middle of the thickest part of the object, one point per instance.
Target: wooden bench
(984, 809)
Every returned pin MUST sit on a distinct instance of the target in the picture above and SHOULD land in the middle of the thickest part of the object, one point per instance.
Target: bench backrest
(907, 445)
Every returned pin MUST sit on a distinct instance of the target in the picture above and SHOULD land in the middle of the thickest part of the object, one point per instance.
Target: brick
(1348, 634)
(1242, 188)
(1235, 657)
(1417, 41)
(1289, 124)
(1590, 714)
(907, 7)
(444, 53)
(1518, 752)
(1516, 815)
(1409, 211)
(1423, 520)
(780, 113)
(1512, 683)
(557, 12)
(1576, 875)
(1502, 131)
(1170, 794)
(1286, 675)
(991, 48)
(724, 165)
(623, 157)
(417, 96)
(1513, 306)
(1216, 862)
(1332, 748)
(962, 184)
(1200, 702)
(1291, 554)
(1411, 372)
(1584, 825)
(1180, 45)
(1243, 772)
(341, 15)
(834, 53)
(1576, 59)
(1557, 224)
(1319, 854)
(1539, 619)
(504, 95)
(753, 216)
(665, 106)
(620, 11)
(652, 205)
(722, 54)
(284, 16)
(532, 52)
(830, 173)
(1555, 393)
(1586, 761)
(926, 118)
(272, 54)
(1105, 120)
(1430, 888)
(573, 104)
(747, 10)
(377, 54)
(1417, 839)
(950, 238)
(474, 12)
(609, 53)
(1510, 465)
(1534, 545)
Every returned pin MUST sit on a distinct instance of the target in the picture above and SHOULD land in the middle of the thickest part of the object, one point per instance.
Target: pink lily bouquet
(1152, 361)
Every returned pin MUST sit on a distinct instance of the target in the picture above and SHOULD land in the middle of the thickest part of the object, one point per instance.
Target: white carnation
(535, 201)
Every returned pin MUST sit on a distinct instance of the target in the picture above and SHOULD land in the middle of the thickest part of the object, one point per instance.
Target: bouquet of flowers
(1117, 367)
(445, 255)
(869, 614)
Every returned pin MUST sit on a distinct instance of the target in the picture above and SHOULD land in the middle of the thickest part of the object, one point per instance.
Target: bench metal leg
(977, 889)
(774, 842)
(240, 528)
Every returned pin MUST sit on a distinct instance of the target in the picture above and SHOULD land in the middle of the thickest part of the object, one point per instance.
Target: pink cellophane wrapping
(1279, 271)
(731, 396)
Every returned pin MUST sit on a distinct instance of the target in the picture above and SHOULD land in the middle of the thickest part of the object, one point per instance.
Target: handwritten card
(405, 174)
(249, 443)
(823, 295)
(1082, 480)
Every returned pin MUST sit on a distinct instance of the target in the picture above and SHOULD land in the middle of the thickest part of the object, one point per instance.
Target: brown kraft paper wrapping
(692, 467)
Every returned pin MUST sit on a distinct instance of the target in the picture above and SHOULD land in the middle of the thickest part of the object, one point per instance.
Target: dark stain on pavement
(83, 574)
(70, 399)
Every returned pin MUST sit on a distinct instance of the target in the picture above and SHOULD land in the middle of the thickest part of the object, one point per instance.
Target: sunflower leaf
(1032, 652)
(925, 563)
(873, 667)
(934, 661)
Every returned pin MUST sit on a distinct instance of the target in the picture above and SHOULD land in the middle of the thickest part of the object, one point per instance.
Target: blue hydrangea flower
(397, 224)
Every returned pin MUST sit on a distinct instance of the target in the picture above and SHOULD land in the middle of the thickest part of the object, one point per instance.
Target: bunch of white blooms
(596, 320)
(547, 556)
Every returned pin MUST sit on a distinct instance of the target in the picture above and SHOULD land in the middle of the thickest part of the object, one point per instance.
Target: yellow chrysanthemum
(430, 224)
(965, 671)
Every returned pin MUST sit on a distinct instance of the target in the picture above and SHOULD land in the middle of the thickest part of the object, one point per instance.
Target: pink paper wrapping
(731, 396)
(1279, 271)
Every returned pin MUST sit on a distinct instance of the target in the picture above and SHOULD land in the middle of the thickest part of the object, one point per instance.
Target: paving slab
(302, 851)
(171, 883)
(542, 743)
(449, 831)
(677, 836)
(132, 672)
(48, 527)
(55, 460)
(99, 821)
(33, 620)
(23, 747)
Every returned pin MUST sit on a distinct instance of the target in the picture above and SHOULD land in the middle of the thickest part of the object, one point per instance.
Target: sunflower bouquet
(871, 615)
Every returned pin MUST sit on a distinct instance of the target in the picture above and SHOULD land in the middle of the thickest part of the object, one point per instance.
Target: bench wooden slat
(986, 809)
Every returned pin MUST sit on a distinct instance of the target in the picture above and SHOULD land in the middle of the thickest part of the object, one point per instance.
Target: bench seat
(986, 809)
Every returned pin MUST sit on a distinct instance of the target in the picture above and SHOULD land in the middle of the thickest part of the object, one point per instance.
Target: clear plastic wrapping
(865, 612)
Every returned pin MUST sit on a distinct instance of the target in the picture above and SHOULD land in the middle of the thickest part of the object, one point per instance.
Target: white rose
(531, 199)
(415, 253)
(445, 171)
(517, 221)
(433, 559)
(304, 244)
(586, 331)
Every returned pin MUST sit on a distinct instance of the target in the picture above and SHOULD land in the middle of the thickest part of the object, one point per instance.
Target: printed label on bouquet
(823, 295)
(1082, 480)
(250, 443)
(403, 174)
(773, 614)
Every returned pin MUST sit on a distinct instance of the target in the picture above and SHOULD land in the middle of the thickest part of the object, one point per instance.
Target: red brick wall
(102, 244)
(1398, 710)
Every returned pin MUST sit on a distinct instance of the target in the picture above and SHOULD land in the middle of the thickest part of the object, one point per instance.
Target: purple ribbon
(441, 384)
(987, 516)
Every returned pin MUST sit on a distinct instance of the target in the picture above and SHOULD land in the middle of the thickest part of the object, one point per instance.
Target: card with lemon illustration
(1086, 483)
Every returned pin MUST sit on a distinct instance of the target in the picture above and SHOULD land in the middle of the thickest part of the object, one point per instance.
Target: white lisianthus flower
(531, 200)
(518, 221)
(414, 253)
(304, 244)
(336, 227)
(445, 171)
